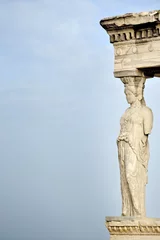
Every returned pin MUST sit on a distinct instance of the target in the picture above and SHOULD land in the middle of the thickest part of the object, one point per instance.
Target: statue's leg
(135, 179)
(142, 188)
(126, 199)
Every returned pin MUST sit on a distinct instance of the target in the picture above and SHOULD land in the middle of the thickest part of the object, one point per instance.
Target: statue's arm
(148, 120)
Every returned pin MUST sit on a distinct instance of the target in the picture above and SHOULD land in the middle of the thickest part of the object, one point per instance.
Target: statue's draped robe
(133, 153)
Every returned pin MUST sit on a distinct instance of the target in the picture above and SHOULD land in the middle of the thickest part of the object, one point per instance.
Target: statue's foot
(124, 214)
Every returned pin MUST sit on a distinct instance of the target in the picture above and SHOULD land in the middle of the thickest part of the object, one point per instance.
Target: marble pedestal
(133, 228)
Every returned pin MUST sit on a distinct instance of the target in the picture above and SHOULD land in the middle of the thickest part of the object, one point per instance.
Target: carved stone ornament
(136, 41)
(123, 226)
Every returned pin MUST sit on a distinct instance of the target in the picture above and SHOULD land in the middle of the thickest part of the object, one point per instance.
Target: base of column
(133, 228)
(128, 237)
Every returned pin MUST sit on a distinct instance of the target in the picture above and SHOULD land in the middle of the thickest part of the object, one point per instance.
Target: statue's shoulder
(128, 109)
(148, 119)
(147, 111)
(126, 112)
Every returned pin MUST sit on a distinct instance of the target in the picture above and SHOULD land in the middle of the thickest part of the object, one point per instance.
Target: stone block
(133, 228)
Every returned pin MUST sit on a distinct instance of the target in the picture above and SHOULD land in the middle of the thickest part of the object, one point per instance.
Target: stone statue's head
(134, 87)
(133, 93)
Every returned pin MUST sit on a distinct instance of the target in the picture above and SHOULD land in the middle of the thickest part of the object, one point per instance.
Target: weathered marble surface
(130, 19)
(122, 228)
(136, 40)
(133, 148)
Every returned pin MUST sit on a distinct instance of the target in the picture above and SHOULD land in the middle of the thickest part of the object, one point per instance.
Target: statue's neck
(136, 104)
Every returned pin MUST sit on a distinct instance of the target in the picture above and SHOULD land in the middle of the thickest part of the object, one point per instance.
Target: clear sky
(59, 119)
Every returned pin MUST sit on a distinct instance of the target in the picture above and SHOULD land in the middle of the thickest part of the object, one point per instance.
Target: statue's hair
(134, 81)
(137, 91)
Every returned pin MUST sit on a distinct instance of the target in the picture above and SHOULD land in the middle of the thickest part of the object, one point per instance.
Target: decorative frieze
(141, 34)
(136, 41)
(134, 230)
(134, 35)
(133, 226)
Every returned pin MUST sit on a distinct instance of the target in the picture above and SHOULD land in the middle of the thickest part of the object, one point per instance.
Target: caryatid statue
(133, 148)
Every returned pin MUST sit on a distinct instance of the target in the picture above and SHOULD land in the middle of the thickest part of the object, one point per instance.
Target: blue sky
(60, 108)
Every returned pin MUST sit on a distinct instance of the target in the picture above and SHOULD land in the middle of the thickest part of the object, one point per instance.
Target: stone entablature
(132, 26)
(136, 41)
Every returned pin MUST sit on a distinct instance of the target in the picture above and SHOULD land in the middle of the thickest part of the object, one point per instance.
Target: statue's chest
(131, 118)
